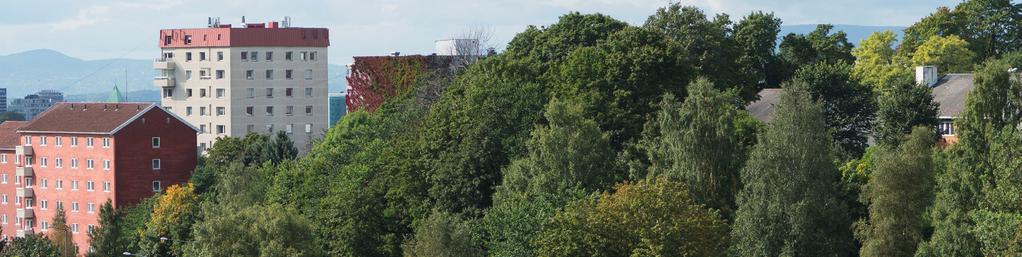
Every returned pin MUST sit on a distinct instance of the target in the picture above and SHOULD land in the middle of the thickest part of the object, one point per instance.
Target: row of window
(289, 128)
(59, 141)
(58, 184)
(252, 56)
(43, 226)
(205, 73)
(59, 163)
(221, 93)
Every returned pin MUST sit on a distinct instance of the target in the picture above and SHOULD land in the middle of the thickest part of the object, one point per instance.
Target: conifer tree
(103, 239)
(60, 234)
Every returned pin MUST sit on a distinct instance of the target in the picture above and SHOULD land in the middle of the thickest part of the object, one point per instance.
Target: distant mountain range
(91, 80)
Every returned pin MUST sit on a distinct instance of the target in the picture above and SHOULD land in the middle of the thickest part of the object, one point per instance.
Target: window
(204, 73)
(188, 111)
(89, 164)
(288, 74)
(74, 227)
(188, 74)
(42, 140)
(308, 74)
(220, 92)
(221, 111)
(3, 179)
(269, 128)
(289, 110)
(220, 56)
(221, 129)
(269, 74)
(269, 110)
(74, 206)
(287, 55)
(269, 56)
(202, 111)
(249, 74)
(166, 41)
(202, 128)
(3, 158)
(269, 93)
(29, 182)
(254, 56)
(90, 186)
(60, 205)
(244, 56)
(28, 140)
(74, 185)
(106, 142)
(251, 92)
(44, 204)
(202, 92)
(92, 208)
(60, 185)
(106, 164)
(43, 161)
(58, 162)
(4, 200)
(74, 163)
(168, 93)
(289, 92)
(89, 142)
(202, 56)
(249, 110)
(188, 92)
(308, 92)
(44, 183)
(188, 56)
(289, 128)
(308, 110)
(188, 39)
(106, 186)
(156, 164)
(219, 74)
(312, 56)
(304, 56)
(946, 128)
(156, 186)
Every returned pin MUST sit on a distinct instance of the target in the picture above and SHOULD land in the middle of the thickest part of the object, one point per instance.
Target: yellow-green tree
(876, 63)
(950, 54)
(172, 218)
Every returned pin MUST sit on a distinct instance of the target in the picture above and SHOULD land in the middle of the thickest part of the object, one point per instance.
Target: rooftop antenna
(125, 84)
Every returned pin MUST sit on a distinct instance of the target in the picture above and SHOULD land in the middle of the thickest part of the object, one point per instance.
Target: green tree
(103, 240)
(133, 222)
(906, 105)
(788, 205)
(31, 245)
(820, 45)
(444, 235)
(950, 54)
(173, 215)
(649, 218)
(898, 194)
(60, 234)
(876, 63)
(756, 36)
(257, 230)
(992, 27)
(848, 106)
(698, 142)
(279, 149)
(939, 23)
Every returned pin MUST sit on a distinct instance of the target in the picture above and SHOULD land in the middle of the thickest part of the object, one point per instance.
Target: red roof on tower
(256, 34)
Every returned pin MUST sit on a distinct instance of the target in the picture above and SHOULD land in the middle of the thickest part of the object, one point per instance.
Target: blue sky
(98, 29)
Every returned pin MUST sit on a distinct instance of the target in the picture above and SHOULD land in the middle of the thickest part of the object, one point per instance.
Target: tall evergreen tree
(280, 148)
(788, 205)
(103, 239)
(60, 234)
(698, 143)
(898, 193)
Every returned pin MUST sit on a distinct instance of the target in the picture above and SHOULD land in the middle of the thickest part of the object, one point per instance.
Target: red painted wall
(134, 150)
(232, 37)
(8, 209)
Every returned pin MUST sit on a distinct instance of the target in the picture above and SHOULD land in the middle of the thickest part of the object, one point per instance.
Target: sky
(101, 29)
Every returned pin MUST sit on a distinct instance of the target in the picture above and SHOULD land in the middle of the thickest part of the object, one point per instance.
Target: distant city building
(3, 100)
(36, 103)
(257, 78)
(80, 155)
(337, 107)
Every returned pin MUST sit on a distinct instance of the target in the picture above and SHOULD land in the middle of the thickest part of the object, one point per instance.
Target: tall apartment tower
(256, 78)
(3, 100)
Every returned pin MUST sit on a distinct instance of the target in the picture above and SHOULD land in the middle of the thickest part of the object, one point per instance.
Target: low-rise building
(34, 104)
(79, 155)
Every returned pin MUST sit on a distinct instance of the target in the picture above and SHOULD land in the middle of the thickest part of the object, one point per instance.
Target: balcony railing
(23, 232)
(25, 192)
(24, 172)
(26, 213)
(24, 150)
(163, 64)
(164, 81)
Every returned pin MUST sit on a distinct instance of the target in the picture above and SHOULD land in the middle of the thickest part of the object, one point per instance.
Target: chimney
(926, 75)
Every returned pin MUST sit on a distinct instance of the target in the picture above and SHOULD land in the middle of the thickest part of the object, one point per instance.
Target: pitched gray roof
(950, 93)
(763, 109)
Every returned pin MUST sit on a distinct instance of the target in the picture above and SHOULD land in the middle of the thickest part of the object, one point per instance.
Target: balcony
(23, 232)
(164, 82)
(24, 172)
(26, 213)
(25, 192)
(24, 150)
(163, 64)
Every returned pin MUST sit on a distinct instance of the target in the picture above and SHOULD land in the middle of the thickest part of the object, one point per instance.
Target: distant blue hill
(856, 33)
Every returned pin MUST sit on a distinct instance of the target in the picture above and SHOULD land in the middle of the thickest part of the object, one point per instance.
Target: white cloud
(85, 17)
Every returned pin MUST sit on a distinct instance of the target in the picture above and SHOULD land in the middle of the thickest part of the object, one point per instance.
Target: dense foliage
(594, 137)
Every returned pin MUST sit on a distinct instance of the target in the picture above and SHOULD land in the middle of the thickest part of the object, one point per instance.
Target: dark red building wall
(134, 154)
(8, 209)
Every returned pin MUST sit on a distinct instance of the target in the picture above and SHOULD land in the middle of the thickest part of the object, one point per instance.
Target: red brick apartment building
(78, 155)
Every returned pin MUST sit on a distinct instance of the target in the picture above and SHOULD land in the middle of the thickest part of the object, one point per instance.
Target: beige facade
(233, 91)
